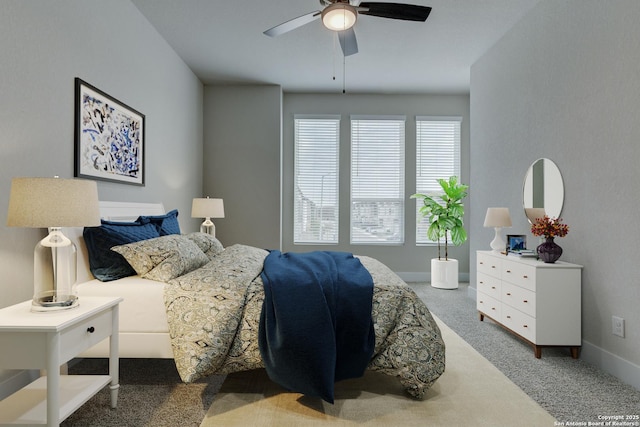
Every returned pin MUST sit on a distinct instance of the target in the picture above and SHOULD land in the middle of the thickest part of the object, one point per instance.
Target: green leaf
(445, 216)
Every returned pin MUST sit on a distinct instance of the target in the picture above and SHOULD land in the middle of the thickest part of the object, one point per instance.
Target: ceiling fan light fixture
(339, 16)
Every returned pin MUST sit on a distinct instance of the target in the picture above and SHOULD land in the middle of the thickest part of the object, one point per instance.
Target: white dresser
(539, 302)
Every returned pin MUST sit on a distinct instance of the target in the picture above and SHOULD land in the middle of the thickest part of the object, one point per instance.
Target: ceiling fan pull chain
(344, 74)
(333, 56)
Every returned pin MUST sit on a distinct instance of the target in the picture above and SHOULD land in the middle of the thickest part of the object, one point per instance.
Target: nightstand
(46, 341)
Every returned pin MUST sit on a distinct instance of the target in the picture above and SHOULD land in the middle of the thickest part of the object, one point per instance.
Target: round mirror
(543, 190)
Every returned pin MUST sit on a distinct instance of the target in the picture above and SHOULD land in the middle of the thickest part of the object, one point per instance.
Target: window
(316, 142)
(377, 180)
(437, 156)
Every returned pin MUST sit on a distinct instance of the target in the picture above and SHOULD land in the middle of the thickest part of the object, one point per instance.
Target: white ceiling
(223, 42)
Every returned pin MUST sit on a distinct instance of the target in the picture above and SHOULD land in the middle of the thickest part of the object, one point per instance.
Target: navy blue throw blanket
(316, 326)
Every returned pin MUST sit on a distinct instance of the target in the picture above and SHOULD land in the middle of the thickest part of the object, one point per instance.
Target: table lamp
(53, 203)
(497, 218)
(207, 208)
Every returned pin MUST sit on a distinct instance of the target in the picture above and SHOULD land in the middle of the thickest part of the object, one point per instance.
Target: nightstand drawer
(489, 306)
(489, 265)
(519, 274)
(85, 334)
(520, 323)
(489, 285)
(519, 298)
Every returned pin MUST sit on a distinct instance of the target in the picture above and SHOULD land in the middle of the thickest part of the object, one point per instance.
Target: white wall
(44, 45)
(563, 84)
(411, 261)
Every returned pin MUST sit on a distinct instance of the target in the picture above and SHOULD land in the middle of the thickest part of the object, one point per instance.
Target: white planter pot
(444, 274)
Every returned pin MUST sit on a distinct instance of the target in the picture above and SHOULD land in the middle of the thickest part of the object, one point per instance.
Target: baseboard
(413, 276)
(13, 380)
(472, 293)
(627, 372)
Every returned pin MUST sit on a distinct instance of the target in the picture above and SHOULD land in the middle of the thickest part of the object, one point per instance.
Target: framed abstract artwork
(109, 137)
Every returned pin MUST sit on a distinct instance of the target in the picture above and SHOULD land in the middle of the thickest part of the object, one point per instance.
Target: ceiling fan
(341, 15)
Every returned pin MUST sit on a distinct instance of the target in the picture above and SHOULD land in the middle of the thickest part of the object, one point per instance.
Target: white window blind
(437, 156)
(316, 179)
(377, 180)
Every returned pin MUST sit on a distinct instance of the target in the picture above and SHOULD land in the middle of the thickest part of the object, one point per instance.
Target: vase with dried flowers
(549, 251)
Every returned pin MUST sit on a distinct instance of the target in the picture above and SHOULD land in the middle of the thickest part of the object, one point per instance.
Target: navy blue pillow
(166, 224)
(105, 264)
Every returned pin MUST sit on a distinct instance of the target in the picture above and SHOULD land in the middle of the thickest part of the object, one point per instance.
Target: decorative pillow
(166, 224)
(207, 243)
(163, 258)
(106, 265)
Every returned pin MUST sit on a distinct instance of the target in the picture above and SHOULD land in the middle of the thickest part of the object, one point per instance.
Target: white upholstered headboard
(112, 211)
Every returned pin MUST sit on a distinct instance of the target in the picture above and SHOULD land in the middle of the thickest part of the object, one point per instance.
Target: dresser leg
(575, 352)
(481, 316)
(538, 352)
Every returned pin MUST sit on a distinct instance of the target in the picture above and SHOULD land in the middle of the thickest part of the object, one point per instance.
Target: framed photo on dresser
(516, 242)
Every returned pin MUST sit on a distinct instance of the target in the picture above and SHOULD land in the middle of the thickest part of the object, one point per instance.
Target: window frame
(401, 172)
(447, 171)
(298, 239)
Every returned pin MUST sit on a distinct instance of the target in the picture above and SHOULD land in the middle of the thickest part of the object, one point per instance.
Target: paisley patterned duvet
(214, 315)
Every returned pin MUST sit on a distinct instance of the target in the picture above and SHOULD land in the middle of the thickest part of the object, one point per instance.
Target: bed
(193, 315)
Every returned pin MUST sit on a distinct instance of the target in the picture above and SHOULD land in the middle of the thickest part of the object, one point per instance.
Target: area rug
(470, 392)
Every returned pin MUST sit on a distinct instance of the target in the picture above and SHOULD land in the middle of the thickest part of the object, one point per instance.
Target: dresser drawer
(489, 285)
(489, 306)
(519, 274)
(519, 322)
(519, 298)
(488, 264)
(85, 334)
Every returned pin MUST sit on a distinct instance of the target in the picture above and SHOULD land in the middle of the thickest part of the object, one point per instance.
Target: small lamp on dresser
(53, 203)
(207, 208)
(497, 218)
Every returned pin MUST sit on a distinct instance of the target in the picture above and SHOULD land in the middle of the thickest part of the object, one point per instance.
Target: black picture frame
(516, 242)
(109, 137)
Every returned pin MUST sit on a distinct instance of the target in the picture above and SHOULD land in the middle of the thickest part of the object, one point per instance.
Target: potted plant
(444, 213)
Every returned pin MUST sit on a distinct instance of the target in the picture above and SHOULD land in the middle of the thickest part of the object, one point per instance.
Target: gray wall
(410, 261)
(44, 45)
(242, 132)
(563, 84)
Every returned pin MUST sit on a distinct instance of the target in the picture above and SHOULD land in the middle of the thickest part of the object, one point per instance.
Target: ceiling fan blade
(292, 24)
(405, 12)
(348, 42)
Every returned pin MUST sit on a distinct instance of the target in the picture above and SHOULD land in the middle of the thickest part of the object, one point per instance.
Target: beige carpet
(471, 392)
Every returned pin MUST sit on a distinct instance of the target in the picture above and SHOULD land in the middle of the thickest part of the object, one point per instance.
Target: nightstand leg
(53, 379)
(114, 361)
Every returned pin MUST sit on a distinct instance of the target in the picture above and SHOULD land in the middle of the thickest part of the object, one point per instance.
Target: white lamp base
(208, 227)
(52, 301)
(54, 274)
(498, 244)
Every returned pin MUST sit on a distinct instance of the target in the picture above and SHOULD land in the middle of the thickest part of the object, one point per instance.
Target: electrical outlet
(617, 326)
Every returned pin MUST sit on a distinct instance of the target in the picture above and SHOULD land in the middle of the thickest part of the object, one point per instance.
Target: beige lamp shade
(497, 217)
(207, 208)
(53, 202)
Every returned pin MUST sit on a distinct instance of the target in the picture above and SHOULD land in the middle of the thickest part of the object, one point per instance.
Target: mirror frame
(543, 188)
